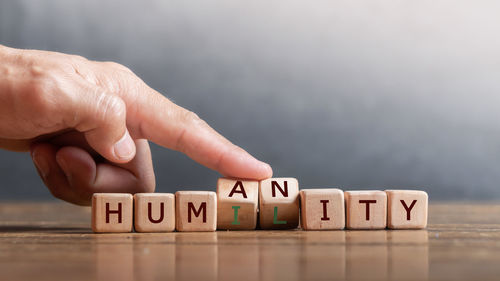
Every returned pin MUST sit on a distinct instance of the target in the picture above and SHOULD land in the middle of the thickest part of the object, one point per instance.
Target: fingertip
(240, 164)
(267, 170)
(260, 171)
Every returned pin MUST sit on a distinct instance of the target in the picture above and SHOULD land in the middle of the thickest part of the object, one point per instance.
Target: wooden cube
(154, 212)
(279, 203)
(112, 212)
(322, 209)
(237, 202)
(366, 209)
(407, 209)
(195, 211)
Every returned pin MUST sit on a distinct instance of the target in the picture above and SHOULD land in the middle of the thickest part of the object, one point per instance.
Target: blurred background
(351, 94)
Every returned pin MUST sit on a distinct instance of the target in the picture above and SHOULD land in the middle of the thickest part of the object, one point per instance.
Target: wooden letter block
(366, 209)
(154, 212)
(407, 209)
(195, 211)
(237, 202)
(112, 212)
(322, 209)
(279, 203)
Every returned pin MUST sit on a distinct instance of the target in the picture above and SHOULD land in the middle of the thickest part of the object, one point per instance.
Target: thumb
(101, 116)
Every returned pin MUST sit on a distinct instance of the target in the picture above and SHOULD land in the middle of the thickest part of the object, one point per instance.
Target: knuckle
(115, 77)
(190, 121)
(191, 118)
(111, 83)
(110, 107)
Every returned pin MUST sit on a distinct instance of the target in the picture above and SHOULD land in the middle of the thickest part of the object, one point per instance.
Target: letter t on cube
(279, 203)
(366, 209)
(237, 202)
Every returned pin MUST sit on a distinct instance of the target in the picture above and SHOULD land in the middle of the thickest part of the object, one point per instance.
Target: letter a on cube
(112, 212)
(407, 209)
(279, 203)
(195, 211)
(237, 202)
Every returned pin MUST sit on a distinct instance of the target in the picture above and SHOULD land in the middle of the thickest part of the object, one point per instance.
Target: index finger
(156, 118)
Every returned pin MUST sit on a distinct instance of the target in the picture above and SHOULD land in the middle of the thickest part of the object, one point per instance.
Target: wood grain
(279, 203)
(112, 212)
(54, 241)
(237, 202)
(195, 211)
(154, 212)
(407, 209)
(366, 209)
(322, 209)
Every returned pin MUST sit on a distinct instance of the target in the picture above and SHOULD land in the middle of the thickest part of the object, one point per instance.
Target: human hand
(72, 111)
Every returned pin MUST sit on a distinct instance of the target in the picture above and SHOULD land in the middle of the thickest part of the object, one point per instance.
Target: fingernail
(125, 148)
(41, 164)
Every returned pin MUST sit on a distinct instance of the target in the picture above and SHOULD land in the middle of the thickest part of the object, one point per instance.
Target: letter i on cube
(322, 209)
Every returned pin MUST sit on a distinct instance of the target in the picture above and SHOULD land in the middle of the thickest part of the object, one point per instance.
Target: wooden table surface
(53, 241)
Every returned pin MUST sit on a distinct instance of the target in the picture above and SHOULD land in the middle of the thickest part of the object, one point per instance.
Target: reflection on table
(264, 255)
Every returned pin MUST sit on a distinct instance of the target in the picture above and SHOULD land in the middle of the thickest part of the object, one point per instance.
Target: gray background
(351, 94)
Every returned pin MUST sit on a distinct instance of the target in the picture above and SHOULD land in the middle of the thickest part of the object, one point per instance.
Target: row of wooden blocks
(274, 203)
